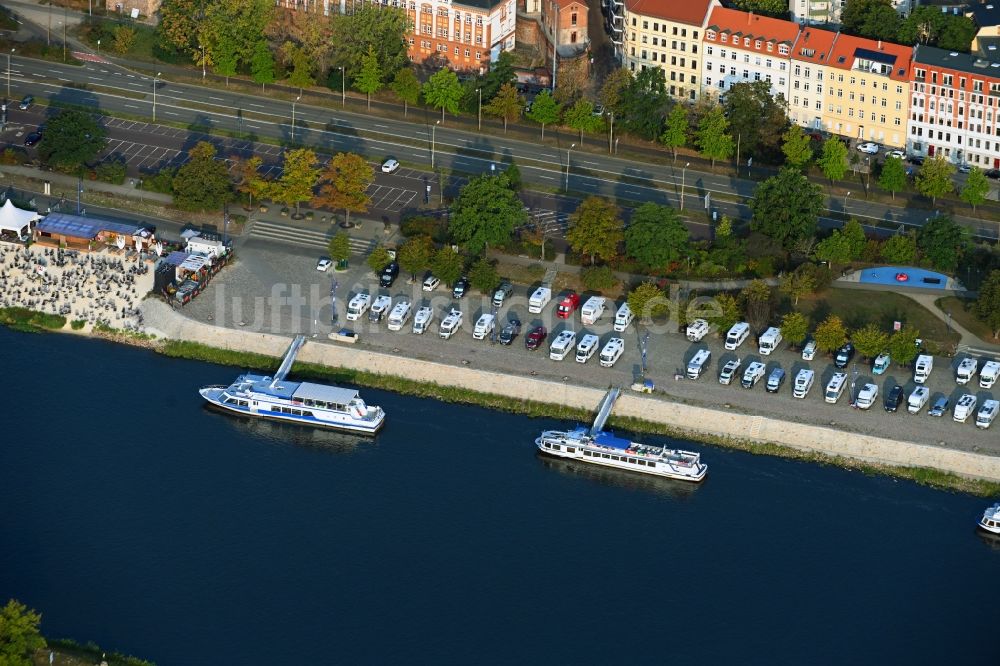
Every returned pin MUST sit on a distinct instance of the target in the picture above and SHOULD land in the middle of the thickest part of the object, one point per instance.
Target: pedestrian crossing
(305, 237)
(550, 221)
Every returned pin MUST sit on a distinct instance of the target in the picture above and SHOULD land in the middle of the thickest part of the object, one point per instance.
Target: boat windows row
(624, 459)
(293, 412)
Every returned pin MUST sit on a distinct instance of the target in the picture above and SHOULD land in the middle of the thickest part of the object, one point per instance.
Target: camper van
(623, 317)
(422, 320)
(399, 316)
(753, 374)
(987, 413)
(988, 375)
(769, 341)
(697, 330)
(835, 388)
(867, 396)
(502, 293)
(612, 351)
(484, 326)
(803, 382)
(451, 323)
(965, 371)
(561, 345)
(358, 306)
(922, 369)
(964, 408)
(587, 347)
(380, 308)
(918, 399)
(736, 335)
(539, 299)
(593, 309)
(698, 363)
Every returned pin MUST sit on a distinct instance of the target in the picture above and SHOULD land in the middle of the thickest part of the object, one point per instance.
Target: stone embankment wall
(677, 416)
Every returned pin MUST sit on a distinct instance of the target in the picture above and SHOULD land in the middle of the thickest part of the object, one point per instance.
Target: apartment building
(810, 72)
(867, 90)
(665, 34)
(955, 107)
(743, 46)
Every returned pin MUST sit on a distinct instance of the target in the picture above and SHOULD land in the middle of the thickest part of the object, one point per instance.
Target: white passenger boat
(594, 445)
(296, 402)
(991, 519)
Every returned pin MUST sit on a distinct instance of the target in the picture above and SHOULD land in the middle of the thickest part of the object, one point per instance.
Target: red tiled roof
(691, 12)
(815, 46)
(748, 24)
(847, 46)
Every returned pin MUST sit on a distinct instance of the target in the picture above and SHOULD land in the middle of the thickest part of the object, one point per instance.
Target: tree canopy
(71, 139)
(833, 161)
(300, 172)
(581, 117)
(486, 212)
(647, 301)
(870, 340)
(796, 145)
(483, 276)
(830, 334)
(545, 110)
(929, 25)
(416, 254)
(595, 229)
(714, 139)
(976, 188)
(447, 265)
(406, 86)
(875, 19)
(369, 79)
(757, 117)
(794, 328)
(344, 184)
(786, 207)
(203, 182)
(943, 242)
(367, 27)
(507, 104)
(656, 236)
(339, 247)
(893, 176)
(900, 249)
(987, 305)
(903, 345)
(676, 129)
(643, 103)
(443, 91)
(19, 635)
(934, 178)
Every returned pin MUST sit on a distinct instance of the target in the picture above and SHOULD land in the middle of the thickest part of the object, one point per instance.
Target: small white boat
(991, 519)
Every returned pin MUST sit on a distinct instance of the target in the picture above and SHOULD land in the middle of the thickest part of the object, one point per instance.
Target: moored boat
(991, 519)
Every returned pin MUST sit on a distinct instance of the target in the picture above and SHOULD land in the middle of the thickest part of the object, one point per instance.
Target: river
(132, 516)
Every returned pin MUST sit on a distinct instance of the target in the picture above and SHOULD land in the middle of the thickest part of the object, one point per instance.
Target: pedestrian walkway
(318, 237)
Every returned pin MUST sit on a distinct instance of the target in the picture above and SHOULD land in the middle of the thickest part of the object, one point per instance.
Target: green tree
(177, 30)
(647, 301)
(976, 188)
(830, 334)
(775, 8)
(942, 242)
(500, 74)
(506, 104)
(224, 55)
(370, 26)
(928, 25)
(727, 314)
(581, 117)
(247, 178)
(794, 328)
(757, 304)
(345, 183)
(483, 276)
(302, 71)
(443, 91)
(870, 340)
(893, 176)
(900, 249)
(369, 79)
(713, 139)
(124, 39)
(339, 247)
(447, 265)
(262, 64)
(545, 110)
(675, 134)
(796, 284)
(796, 147)
(486, 212)
(874, 19)
(203, 182)
(228, 24)
(19, 635)
(833, 161)
(406, 86)
(786, 207)
(656, 236)
(300, 172)
(612, 94)
(987, 305)
(934, 178)
(855, 235)
(598, 278)
(416, 254)
(903, 345)
(757, 117)
(71, 139)
(595, 229)
(378, 259)
(513, 175)
(644, 103)
(835, 248)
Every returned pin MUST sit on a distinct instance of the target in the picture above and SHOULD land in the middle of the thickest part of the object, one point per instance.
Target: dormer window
(723, 38)
(770, 47)
(746, 42)
(756, 45)
(710, 35)
(783, 49)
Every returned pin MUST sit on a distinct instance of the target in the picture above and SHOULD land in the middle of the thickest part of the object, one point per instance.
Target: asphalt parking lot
(277, 289)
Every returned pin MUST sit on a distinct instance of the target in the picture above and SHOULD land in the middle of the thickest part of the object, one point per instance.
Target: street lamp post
(98, 48)
(868, 178)
(155, 81)
(433, 129)
(616, 145)
(479, 111)
(566, 181)
(611, 131)
(293, 115)
(8, 72)
(845, 202)
(683, 183)
(343, 88)
(202, 47)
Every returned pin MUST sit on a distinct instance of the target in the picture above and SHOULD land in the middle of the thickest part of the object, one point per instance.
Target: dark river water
(132, 516)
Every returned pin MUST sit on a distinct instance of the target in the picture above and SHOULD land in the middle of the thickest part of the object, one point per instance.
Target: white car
(869, 148)
(964, 167)
(809, 351)
(431, 283)
(612, 352)
(390, 166)
(323, 264)
(867, 396)
(896, 153)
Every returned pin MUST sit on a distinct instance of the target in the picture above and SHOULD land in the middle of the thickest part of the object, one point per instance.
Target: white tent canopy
(16, 220)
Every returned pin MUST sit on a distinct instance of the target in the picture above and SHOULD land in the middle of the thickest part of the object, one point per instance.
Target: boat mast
(286, 363)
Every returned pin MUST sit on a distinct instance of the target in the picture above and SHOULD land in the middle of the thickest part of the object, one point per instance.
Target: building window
(783, 49)
(572, 18)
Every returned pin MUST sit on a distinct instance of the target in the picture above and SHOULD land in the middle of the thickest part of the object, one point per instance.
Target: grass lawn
(959, 309)
(857, 307)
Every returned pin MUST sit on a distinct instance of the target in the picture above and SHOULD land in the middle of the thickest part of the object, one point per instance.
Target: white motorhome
(769, 341)
(623, 317)
(587, 347)
(451, 323)
(964, 408)
(612, 351)
(358, 306)
(835, 387)
(803, 382)
(867, 396)
(592, 310)
(539, 299)
(736, 335)
(399, 316)
(753, 374)
(987, 413)
(966, 370)
(918, 399)
(698, 363)
(923, 367)
(561, 345)
(380, 308)
(484, 326)
(422, 319)
(696, 330)
(989, 373)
